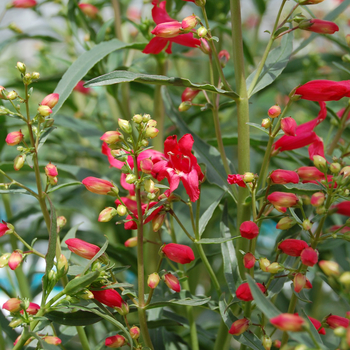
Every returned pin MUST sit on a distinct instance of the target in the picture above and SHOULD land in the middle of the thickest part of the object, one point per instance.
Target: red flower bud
(115, 341)
(167, 29)
(15, 260)
(282, 177)
(310, 173)
(343, 208)
(14, 138)
(309, 256)
(50, 100)
(24, 4)
(240, 326)
(153, 280)
(289, 126)
(50, 339)
(88, 10)
(146, 165)
(5, 228)
(317, 199)
(288, 322)
(84, 249)
(112, 137)
(189, 94)
(99, 186)
(334, 321)
(205, 46)
(249, 260)
(109, 297)
(51, 170)
(330, 268)
(249, 229)
(32, 309)
(317, 325)
(172, 282)
(179, 253)
(189, 22)
(283, 199)
(131, 242)
(80, 88)
(299, 282)
(224, 56)
(236, 179)
(243, 291)
(12, 305)
(318, 26)
(274, 111)
(134, 332)
(292, 247)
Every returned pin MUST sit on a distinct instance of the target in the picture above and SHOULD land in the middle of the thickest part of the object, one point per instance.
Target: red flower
(317, 325)
(282, 199)
(289, 126)
(249, 260)
(98, 186)
(319, 26)
(236, 179)
(249, 229)
(32, 309)
(343, 208)
(115, 341)
(341, 112)
(240, 326)
(316, 149)
(189, 94)
(80, 88)
(157, 44)
(109, 297)
(324, 90)
(334, 321)
(310, 173)
(179, 253)
(288, 322)
(5, 228)
(309, 256)
(292, 247)
(243, 291)
(23, 3)
(172, 282)
(282, 177)
(181, 164)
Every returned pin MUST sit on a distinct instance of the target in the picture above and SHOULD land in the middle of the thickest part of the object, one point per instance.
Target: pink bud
(274, 111)
(115, 341)
(50, 339)
(109, 297)
(167, 29)
(32, 309)
(282, 199)
(205, 46)
(146, 165)
(14, 138)
(111, 137)
(292, 247)
(84, 249)
(288, 322)
(80, 88)
(44, 110)
(179, 253)
(172, 282)
(282, 177)
(153, 280)
(289, 125)
(189, 22)
(99, 186)
(309, 256)
(151, 132)
(249, 260)
(134, 332)
(131, 242)
(319, 26)
(24, 4)
(334, 321)
(15, 259)
(249, 229)
(224, 56)
(244, 293)
(51, 170)
(89, 10)
(12, 305)
(189, 94)
(317, 199)
(5, 228)
(50, 100)
(299, 282)
(310, 173)
(240, 326)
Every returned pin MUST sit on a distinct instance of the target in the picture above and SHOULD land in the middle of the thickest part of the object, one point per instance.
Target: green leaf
(275, 63)
(311, 327)
(304, 187)
(210, 156)
(184, 298)
(77, 284)
(301, 296)
(204, 219)
(45, 135)
(295, 216)
(17, 191)
(102, 32)
(83, 64)
(341, 67)
(215, 240)
(4, 324)
(73, 318)
(53, 189)
(260, 6)
(122, 76)
(97, 255)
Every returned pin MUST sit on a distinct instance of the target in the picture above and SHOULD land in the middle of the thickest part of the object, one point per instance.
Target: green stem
(291, 308)
(223, 337)
(171, 212)
(267, 50)
(83, 338)
(27, 245)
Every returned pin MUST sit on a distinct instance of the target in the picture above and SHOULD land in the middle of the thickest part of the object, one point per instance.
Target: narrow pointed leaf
(204, 219)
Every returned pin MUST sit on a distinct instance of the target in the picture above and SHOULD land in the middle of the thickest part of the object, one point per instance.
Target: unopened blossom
(264, 264)
(80, 88)
(109, 297)
(223, 56)
(289, 126)
(286, 223)
(249, 229)
(236, 179)
(84, 249)
(131, 242)
(51, 170)
(240, 326)
(153, 280)
(244, 293)
(318, 26)
(14, 138)
(50, 339)
(15, 259)
(189, 23)
(12, 305)
(299, 282)
(179, 253)
(50, 100)
(274, 111)
(292, 247)
(115, 341)
(330, 268)
(288, 322)
(309, 173)
(44, 110)
(134, 332)
(157, 221)
(189, 94)
(204, 46)
(172, 282)
(32, 309)
(275, 267)
(317, 199)
(309, 256)
(99, 186)
(24, 4)
(249, 260)
(281, 176)
(283, 199)
(343, 208)
(334, 321)
(5, 228)
(88, 10)
(112, 137)
(107, 214)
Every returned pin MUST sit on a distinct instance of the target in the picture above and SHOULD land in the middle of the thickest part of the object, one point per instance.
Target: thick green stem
(223, 337)
(83, 338)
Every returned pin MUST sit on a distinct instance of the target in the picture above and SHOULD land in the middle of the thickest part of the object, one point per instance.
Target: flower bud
(345, 171)
(51, 170)
(283, 177)
(317, 199)
(151, 132)
(32, 309)
(12, 26)
(12, 305)
(189, 22)
(21, 67)
(137, 118)
(274, 268)
(329, 268)
(343, 279)
(146, 165)
(98, 186)
(125, 126)
(153, 280)
(248, 177)
(62, 265)
(299, 282)
(112, 137)
(44, 110)
(146, 118)
(14, 138)
(50, 339)
(61, 222)
(334, 321)
(115, 341)
(240, 326)
(89, 10)
(12, 95)
(244, 293)
(249, 229)
(274, 111)
(309, 256)
(320, 163)
(3, 92)
(130, 178)
(185, 106)
(249, 260)
(286, 223)
(50, 100)
(4, 259)
(6, 228)
(205, 46)
(15, 259)
(340, 332)
(289, 126)
(131, 242)
(335, 168)
(179, 253)
(167, 29)
(134, 332)
(121, 210)
(107, 214)
(172, 282)
(157, 222)
(266, 123)
(267, 342)
(264, 263)
(35, 76)
(307, 225)
(318, 26)
(84, 249)
(282, 199)
(202, 32)
(85, 295)
(188, 95)
(15, 322)
(223, 56)
(149, 185)
(292, 247)
(288, 322)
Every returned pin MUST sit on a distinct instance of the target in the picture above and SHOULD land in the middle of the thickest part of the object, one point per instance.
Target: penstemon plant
(189, 241)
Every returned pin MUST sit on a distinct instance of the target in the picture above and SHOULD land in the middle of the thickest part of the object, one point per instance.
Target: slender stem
(14, 182)
(223, 337)
(83, 338)
(27, 245)
(317, 345)
(171, 212)
(267, 50)
(289, 14)
(2, 15)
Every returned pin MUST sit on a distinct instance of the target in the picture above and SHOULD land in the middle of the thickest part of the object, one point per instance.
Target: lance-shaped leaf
(70, 318)
(204, 219)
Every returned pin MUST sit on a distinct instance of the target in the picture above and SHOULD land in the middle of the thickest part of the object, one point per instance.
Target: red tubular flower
(249, 260)
(5, 228)
(181, 164)
(84, 249)
(179, 253)
(157, 44)
(316, 149)
(343, 208)
(309, 173)
(167, 29)
(288, 322)
(24, 4)
(50, 100)
(292, 247)
(89, 10)
(99, 186)
(236, 179)
(282, 177)
(109, 297)
(319, 26)
(240, 326)
(334, 321)
(249, 229)
(309, 256)
(243, 291)
(324, 90)
(283, 199)
(341, 112)
(317, 325)
(14, 138)
(289, 126)
(115, 341)
(172, 282)
(189, 94)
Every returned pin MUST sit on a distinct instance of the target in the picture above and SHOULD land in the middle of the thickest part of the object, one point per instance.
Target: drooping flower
(292, 247)
(181, 164)
(288, 322)
(335, 321)
(240, 326)
(157, 44)
(318, 26)
(244, 293)
(289, 126)
(179, 253)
